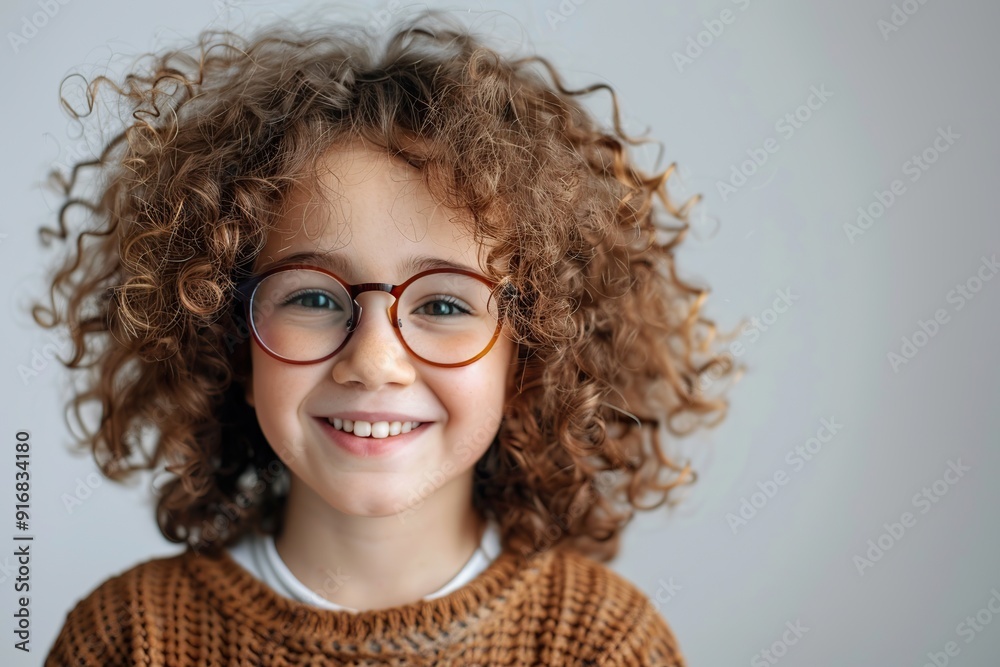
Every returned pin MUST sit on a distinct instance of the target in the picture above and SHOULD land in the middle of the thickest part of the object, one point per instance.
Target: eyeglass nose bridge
(357, 309)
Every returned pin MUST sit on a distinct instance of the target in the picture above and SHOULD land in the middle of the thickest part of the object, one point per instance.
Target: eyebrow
(340, 264)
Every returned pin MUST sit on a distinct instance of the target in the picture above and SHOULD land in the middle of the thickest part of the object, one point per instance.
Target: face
(375, 214)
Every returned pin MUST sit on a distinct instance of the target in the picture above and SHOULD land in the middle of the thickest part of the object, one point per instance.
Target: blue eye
(312, 300)
(451, 307)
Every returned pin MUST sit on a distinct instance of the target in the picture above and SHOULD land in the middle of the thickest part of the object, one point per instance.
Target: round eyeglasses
(304, 314)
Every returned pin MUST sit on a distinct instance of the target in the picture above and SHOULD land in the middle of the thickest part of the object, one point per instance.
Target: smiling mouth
(377, 430)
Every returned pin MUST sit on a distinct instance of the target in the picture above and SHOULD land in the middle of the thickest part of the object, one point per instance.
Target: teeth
(365, 429)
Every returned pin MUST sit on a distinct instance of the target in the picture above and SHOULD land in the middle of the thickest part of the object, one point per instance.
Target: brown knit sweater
(556, 608)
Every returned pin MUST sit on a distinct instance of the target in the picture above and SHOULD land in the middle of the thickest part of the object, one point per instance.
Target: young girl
(405, 322)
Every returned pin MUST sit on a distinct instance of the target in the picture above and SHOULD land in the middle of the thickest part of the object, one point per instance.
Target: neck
(369, 563)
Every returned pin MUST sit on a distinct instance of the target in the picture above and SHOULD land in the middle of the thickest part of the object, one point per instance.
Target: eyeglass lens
(303, 315)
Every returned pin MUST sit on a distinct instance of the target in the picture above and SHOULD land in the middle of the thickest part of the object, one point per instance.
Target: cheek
(475, 403)
(278, 390)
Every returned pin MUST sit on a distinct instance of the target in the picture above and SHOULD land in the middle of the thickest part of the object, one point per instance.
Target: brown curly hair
(610, 344)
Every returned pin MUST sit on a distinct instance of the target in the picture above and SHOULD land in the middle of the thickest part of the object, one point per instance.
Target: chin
(375, 500)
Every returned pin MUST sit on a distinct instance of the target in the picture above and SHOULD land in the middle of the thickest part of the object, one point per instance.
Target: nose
(374, 355)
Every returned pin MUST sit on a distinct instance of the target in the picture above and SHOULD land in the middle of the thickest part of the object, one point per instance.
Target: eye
(312, 300)
(445, 306)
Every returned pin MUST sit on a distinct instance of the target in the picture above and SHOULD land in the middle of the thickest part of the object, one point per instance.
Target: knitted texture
(555, 608)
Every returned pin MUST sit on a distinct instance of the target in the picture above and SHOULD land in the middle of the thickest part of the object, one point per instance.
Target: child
(405, 325)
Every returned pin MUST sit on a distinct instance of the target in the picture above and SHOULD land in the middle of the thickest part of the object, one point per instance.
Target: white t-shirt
(258, 555)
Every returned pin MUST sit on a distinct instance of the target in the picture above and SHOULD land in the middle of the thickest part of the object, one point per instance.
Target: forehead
(343, 265)
(368, 213)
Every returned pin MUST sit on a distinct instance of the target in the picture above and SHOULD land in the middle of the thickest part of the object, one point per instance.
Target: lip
(370, 447)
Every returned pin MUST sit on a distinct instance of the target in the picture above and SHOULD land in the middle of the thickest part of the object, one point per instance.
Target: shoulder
(104, 625)
(624, 626)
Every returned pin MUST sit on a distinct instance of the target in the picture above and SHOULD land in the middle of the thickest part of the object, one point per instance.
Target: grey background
(727, 595)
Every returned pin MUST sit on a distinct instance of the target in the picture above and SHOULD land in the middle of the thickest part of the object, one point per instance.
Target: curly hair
(611, 349)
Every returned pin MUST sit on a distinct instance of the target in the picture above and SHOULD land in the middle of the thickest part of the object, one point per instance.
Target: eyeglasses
(304, 314)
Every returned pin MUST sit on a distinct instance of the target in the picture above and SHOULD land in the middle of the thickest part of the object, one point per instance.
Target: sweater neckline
(272, 570)
(238, 594)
